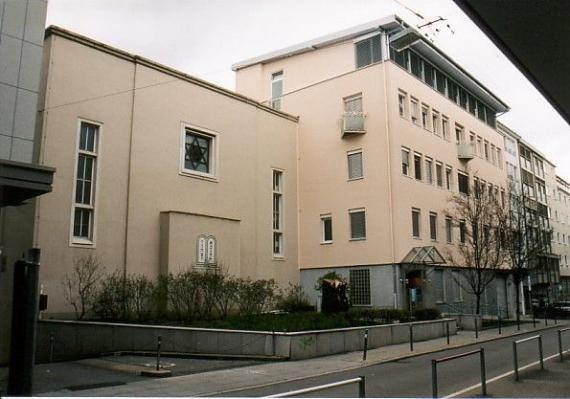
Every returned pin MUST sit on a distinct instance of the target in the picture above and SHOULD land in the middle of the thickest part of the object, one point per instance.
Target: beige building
(159, 171)
(560, 216)
(390, 128)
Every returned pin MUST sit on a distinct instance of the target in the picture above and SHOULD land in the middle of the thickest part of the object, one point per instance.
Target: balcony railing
(466, 151)
(353, 123)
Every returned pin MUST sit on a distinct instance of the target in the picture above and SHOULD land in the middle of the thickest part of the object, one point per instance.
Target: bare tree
(482, 220)
(528, 237)
(81, 285)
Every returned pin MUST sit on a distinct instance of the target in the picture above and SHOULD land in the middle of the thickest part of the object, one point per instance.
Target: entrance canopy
(424, 256)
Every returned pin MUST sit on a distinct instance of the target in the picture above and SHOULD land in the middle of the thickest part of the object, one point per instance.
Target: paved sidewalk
(223, 381)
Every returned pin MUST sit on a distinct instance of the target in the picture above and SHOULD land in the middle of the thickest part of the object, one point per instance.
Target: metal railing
(353, 122)
(560, 350)
(434, 363)
(361, 381)
(515, 354)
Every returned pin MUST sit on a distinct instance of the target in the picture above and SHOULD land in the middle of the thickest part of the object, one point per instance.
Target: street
(412, 377)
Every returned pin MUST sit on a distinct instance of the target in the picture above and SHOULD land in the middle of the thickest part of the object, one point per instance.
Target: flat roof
(87, 41)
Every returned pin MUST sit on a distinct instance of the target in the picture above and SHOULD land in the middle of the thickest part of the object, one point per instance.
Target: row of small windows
(438, 80)
(434, 227)
(431, 120)
(357, 220)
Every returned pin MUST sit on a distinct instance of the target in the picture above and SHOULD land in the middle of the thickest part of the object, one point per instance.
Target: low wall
(75, 339)
(467, 321)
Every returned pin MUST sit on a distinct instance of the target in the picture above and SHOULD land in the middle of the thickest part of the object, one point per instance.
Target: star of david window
(198, 152)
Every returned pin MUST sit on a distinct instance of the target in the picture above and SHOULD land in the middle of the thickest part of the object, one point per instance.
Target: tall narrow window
(416, 223)
(459, 134)
(448, 177)
(418, 166)
(276, 89)
(435, 122)
(357, 224)
(429, 170)
(462, 232)
(445, 127)
(448, 230)
(84, 207)
(486, 150)
(326, 229)
(425, 117)
(415, 110)
(355, 165)
(406, 161)
(403, 104)
(439, 174)
(433, 226)
(463, 183)
(439, 284)
(277, 213)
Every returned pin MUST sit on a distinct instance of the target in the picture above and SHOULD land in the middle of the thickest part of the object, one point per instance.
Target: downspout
(390, 193)
(129, 169)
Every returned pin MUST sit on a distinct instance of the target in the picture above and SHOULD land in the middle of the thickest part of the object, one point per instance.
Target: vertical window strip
(277, 213)
(84, 204)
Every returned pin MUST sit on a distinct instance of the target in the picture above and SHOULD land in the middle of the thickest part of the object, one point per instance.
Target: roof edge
(97, 45)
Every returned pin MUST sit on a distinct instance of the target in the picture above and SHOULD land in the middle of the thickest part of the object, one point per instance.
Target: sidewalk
(228, 380)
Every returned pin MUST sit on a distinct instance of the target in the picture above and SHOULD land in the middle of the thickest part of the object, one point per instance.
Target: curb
(374, 363)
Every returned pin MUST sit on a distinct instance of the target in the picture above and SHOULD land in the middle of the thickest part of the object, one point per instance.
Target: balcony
(353, 123)
(465, 151)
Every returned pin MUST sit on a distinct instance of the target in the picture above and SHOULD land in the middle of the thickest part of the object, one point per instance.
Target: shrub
(254, 296)
(138, 297)
(109, 302)
(80, 287)
(294, 300)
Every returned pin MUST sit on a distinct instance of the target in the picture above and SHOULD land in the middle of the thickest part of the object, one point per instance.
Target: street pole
(24, 321)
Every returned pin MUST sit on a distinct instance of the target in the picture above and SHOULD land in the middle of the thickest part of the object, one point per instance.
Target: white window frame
(405, 113)
(428, 161)
(445, 127)
(324, 217)
(408, 151)
(213, 175)
(281, 229)
(426, 124)
(419, 156)
(415, 111)
(80, 241)
(275, 102)
(433, 215)
(435, 122)
(442, 168)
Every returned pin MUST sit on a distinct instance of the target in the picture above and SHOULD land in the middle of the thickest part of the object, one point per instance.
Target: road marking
(465, 390)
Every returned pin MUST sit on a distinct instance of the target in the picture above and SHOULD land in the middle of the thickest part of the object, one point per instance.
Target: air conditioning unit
(353, 123)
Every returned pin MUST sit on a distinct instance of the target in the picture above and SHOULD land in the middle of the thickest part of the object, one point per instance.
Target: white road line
(465, 390)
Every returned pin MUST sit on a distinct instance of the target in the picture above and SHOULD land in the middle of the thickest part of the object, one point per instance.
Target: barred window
(360, 287)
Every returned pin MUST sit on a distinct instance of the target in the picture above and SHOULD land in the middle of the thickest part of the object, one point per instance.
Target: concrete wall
(73, 339)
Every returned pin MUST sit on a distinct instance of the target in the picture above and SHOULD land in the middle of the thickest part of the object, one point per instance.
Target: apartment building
(390, 128)
(159, 172)
(22, 25)
(560, 217)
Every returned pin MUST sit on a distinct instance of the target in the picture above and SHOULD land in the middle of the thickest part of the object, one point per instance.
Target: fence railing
(515, 354)
(434, 363)
(361, 381)
(560, 349)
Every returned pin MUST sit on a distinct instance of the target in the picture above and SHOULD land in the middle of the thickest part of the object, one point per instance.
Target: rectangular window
(416, 213)
(493, 155)
(406, 161)
(368, 51)
(435, 122)
(357, 224)
(429, 170)
(199, 150)
(445, 127)
(276, 90)
(462, 232)
(441, 82)
(84, 207)
(449, 230)
(439, 174)
(403, 104)
(425, 117)
(277, 213)
(459, 134)
(433, 226)
(416, 65)
(326, 229)
(355, 170)
(457, 291)
(415, 110)
(418, 166)
(480, 146)
(359, 281)
(499, 158)
(486, 150)
(463, 183)
(448, 177)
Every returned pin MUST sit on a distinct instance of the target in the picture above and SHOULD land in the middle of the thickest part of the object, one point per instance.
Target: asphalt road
(412, 377)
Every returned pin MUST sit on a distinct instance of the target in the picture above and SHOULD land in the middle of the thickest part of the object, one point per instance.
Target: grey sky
(204, 38)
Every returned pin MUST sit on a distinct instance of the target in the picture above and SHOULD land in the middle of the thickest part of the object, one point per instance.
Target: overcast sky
(205, 37)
